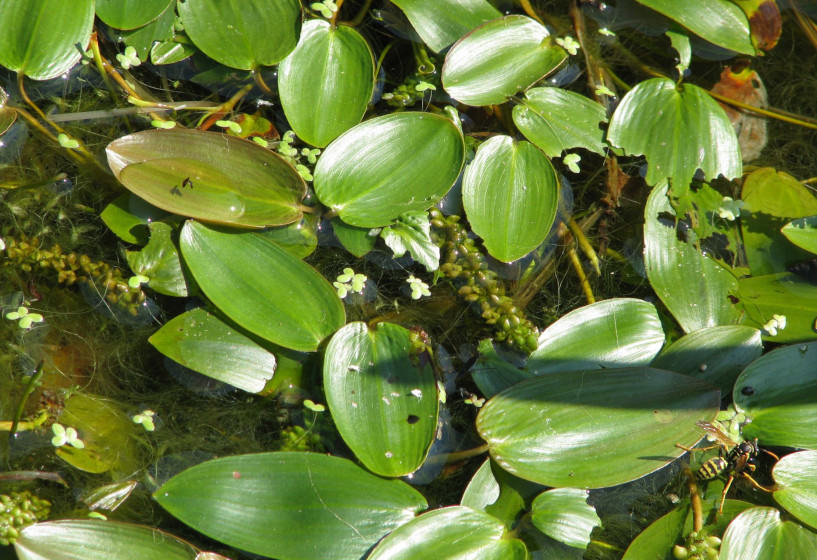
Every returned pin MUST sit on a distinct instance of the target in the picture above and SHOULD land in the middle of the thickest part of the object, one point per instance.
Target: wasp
(735, 459)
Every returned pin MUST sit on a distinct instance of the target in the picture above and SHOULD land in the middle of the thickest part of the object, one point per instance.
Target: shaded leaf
(160, 262)
(130, 14)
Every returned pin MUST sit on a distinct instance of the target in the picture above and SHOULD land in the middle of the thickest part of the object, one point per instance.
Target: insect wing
(715, 433)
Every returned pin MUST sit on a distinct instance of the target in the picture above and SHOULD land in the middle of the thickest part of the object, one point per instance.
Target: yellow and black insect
(734, 460)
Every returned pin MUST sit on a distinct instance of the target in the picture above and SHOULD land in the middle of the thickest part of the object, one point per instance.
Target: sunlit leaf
(499, 59)
(595, 428)
(442, 22)
(564, 514)
(336, 67)
(160, 262)
(510, 192)
(130, 14)
(256, 284)
(243, 35)
(44, 39)
(556, 120)
(202, 342)
(781, 406)
(796, 478)
(389, 165)
(757, 534)
(451, 533)
(290, 505)
(383, 398)
(209, 176)
(679, 128)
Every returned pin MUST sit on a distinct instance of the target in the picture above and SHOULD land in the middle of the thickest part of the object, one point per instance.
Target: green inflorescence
(462, 260)
(27, 255)
(18, 510)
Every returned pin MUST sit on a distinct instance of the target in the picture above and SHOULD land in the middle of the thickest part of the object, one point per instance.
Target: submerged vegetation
(409, 279)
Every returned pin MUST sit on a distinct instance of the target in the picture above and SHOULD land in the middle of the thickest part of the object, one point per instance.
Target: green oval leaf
(796, 478)
(442, 22)
(564, 514)
(499, 59)
(718, 21)
(243, 35)
(483, 488)
(46, 38)
(716, 355)
(694, 288)
(679, 129)
(451, 533)
(803, 233)
(610, 333)
(202, 342)
(595, 428)
(771, 200)
(782, 406)
(556, 120)
(290, 505)
(510, 192)
(88, 539)
(208, 176)
(786, 294)
(160, 262)
(757, 534)
(336, 67)
(389, 165)
(130, 14)
(383, 401)
(257, 284)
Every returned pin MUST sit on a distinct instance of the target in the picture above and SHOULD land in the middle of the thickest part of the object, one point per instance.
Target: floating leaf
(383, 398)
(44, 39)
(451, 532)
(803, 233)
(778, 394)
(679, 129)
(556, 120)
(412, 232)
(290, 505)
(772, 199)
(202, 342)
(208, 176)
(718, 21)
(130, 14)
(786, 294)
(796, 478)
(388, 166)
(563, 514)
(499, 59)
(442, 22)
(160, 262)
(356, 240)
(256, 283)
(334, 64)
(757, 534)
(510, 192)
(595, 428)
(694, 288)
(611, 333)
(88, 539)
(716, 355)
(247, 35)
